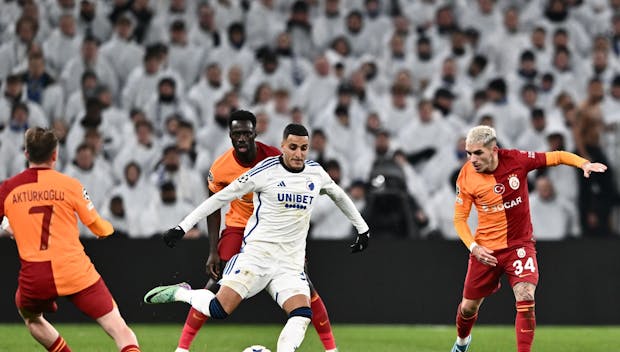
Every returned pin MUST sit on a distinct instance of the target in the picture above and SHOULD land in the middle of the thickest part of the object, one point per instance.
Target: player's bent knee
(469, 311)
(216, 311)
(29, 317)
(304, 312)
(469, 307)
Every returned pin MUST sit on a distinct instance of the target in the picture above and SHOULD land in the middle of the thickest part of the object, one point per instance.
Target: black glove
(361, 242)
(173, 235)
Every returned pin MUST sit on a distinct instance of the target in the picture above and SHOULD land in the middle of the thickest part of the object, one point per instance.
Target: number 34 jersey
(42, 206)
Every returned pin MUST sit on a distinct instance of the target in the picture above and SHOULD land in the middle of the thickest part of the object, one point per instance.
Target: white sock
(179, 349)
(292, 334)
(183, 295)
(199, 299)
(462, 341)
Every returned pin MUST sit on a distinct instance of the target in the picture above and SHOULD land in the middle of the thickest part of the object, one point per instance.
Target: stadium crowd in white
(140, 92)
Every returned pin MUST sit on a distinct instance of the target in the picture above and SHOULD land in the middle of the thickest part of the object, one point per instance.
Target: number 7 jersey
(42, 206)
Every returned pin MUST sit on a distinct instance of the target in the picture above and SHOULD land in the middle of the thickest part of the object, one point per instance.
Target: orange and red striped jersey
(42, 206)
(228, 168)
(501, 198)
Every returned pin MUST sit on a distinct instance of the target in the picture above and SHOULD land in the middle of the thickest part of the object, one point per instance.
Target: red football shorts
(34, 305)
(95, 301)
(518, 263)
(230, 242)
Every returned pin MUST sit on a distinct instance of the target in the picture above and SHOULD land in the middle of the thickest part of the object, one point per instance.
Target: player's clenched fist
(173, 235)
(361, 242)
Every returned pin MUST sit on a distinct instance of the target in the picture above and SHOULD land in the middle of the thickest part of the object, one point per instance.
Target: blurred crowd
(139, 92)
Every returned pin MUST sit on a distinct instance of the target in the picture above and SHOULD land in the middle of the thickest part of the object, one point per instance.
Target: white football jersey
(283, 202)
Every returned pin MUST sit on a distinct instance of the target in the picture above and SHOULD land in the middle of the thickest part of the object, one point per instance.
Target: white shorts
(249, 273)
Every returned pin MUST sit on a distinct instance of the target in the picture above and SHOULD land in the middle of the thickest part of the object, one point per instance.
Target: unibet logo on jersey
(292, 200)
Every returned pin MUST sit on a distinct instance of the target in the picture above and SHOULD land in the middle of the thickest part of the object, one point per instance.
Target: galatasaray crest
(513, 182)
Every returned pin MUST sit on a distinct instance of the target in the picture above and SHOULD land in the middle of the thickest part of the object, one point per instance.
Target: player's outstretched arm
(234, 190)
(568, 158)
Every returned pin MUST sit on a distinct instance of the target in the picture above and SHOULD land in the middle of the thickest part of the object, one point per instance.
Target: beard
(166, 98)
(171, 167)
(169, 200)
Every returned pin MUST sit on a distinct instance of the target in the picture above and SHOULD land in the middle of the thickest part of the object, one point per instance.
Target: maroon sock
(525, 325)
(60, 345)
(464, 324)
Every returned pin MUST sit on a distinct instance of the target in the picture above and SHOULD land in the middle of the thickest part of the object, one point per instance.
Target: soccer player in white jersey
(272, 257)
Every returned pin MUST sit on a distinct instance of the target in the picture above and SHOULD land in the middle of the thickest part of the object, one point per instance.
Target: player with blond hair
(494, 180)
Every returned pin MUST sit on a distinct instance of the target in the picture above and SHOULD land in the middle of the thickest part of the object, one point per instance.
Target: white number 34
(519, 267)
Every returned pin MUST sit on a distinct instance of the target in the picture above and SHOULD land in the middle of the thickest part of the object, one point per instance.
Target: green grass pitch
(358, 338)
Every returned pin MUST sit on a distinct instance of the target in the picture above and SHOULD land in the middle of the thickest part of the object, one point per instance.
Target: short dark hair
(498, 85)
(299, 6)
(19, 106)
(167, 80)
(528, 55)
(91, 39)
(88, 74)
(537, 113)
(40, 144)
(295, 130)
(170, 149)
(185, 124)
(242, 115)
(177, 25)
(236, 27)
(14, 78)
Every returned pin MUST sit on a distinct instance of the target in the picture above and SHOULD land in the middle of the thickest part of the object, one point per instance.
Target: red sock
(60, 345)
(525, 325)
(464, 324)
(193, 323)
(320, 320)
(131, 348)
